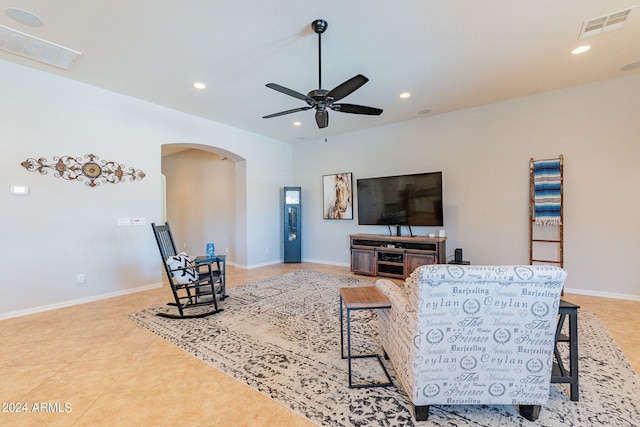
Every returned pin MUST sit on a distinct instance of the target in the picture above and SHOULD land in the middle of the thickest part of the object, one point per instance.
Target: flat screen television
(401, 200)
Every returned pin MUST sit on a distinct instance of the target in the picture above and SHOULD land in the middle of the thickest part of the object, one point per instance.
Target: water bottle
(211, 250)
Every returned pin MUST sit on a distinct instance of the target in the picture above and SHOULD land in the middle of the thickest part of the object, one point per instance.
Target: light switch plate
(19, 190)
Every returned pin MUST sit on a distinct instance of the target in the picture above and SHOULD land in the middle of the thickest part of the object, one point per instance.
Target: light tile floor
(111, 372)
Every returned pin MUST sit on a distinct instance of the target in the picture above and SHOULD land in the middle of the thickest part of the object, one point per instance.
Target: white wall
(65, 228)
(201, 204)
(484, 154)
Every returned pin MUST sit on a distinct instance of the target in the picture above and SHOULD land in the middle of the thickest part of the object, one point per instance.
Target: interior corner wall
(65, 228)
(484, 155)
(241, 254)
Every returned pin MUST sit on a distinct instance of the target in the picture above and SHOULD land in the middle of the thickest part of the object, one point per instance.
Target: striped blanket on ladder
(547, 200)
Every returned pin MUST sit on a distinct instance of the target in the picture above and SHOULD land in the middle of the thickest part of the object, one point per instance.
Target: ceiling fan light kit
(323, 100)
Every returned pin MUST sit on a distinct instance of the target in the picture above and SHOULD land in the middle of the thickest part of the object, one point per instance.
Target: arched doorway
(203, 199)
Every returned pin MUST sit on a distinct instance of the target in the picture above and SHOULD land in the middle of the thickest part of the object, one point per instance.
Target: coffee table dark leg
(567, 374)
(573, 351)
(349, 345)
(341, 331)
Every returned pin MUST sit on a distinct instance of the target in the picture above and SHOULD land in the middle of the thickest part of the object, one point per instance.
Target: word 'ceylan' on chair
(458, 334)
(193, 283)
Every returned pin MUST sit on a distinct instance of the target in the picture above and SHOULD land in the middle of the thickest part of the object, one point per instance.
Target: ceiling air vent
(37, 49)
(601, 24)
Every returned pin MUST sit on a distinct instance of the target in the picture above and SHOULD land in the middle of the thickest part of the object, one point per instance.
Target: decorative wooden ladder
(542, 237)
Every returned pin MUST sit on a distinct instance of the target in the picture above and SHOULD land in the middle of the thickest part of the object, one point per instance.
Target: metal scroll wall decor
(75, 169)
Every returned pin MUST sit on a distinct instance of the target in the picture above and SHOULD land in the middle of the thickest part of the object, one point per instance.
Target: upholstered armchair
(458, 334)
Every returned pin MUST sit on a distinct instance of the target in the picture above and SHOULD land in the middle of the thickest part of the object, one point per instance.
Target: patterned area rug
(281, 336)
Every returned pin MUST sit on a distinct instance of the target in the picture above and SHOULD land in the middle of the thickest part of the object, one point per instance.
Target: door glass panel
(293, 223)
(292, 197)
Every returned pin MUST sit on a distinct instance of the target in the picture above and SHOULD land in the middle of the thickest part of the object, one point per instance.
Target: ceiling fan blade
(282, 113)
(322, 118)
(347, 87)
(288, 91)
(356, 109)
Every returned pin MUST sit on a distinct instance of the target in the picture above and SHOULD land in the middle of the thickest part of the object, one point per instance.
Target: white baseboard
(602, 294)
(262, 264)
(322, 261)
(280, 261)
(108, 295)
(78, 301)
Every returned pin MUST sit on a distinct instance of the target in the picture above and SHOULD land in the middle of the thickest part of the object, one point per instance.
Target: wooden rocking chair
(193, 285)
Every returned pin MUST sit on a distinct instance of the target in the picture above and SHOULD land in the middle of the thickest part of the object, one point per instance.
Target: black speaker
(458, 255)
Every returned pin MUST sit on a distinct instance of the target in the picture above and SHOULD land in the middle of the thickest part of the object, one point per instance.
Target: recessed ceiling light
(581, 49)
(424, 111)
(297, 123)
(24, 17)
(404, 95)
(199, 85)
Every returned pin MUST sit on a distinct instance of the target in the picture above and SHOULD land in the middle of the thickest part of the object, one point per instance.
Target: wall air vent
(31, 47)
(605, 23)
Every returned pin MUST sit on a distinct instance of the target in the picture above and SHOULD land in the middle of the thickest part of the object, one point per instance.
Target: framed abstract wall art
(337, 196)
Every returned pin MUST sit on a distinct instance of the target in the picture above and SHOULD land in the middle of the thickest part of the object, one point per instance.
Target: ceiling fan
(321, 99)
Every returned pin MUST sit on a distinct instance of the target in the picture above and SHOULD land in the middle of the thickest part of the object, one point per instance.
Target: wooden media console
(394, 256)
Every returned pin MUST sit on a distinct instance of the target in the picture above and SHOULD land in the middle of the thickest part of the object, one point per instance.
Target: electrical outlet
(226, 251)
(80, 278)
(267, 250)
